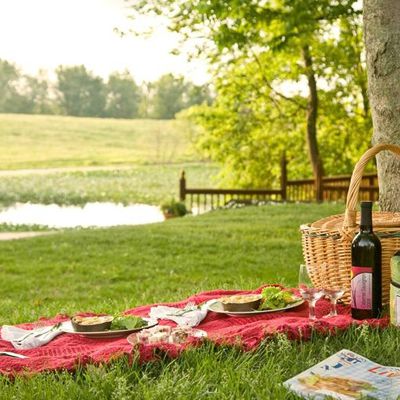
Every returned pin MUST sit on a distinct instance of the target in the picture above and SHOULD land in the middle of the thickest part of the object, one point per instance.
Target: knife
(11, 354)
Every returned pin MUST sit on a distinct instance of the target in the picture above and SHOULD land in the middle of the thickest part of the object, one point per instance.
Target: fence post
(182, 187)
(284, 177)
(319, 188)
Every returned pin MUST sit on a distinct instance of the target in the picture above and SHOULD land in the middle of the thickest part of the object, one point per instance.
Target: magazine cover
(347, 375)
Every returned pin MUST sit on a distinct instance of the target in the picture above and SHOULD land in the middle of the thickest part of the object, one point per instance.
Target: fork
(190, 306)
(37, 334)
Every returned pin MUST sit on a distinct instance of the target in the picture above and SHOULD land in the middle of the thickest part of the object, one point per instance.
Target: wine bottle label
(361, 288)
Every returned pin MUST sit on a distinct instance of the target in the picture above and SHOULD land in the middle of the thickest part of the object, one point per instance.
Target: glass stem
(334, 310)
(311, 308)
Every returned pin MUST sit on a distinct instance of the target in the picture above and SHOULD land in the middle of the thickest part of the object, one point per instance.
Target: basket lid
(380, 220)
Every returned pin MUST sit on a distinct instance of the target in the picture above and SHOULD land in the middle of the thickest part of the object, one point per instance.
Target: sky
(37, 34)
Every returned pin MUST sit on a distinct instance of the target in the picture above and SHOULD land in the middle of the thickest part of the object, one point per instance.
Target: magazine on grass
(347, 375)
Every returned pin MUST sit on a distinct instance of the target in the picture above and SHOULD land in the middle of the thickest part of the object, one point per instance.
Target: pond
(89, 215)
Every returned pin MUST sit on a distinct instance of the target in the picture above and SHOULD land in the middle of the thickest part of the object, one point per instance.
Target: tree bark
(312, 114)
(362, 82)
(382, 42)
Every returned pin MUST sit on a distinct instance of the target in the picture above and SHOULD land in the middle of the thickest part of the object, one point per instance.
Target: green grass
(149, 184)
(113, 269)
(39, 141)
(110, 270)
(209, 373)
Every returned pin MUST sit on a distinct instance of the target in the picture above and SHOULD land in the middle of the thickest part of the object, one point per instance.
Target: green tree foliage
(22, 93)
(81, 92)
(197, 94)
(123, 96)
(32, 96)
(167, 98)
(289, 75)
(38, 89)
(9, 76)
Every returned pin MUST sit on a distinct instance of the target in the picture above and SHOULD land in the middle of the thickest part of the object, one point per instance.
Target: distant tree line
(79, 92)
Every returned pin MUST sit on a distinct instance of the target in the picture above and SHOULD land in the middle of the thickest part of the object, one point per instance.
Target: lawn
(108, 270)
(40, 141)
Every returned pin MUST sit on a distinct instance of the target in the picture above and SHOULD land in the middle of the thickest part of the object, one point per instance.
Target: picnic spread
(67, 351)
(349, 273)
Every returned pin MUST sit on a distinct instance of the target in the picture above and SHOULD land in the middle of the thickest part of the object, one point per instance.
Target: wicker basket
(327, 242)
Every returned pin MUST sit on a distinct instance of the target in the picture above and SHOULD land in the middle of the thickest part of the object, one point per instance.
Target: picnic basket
(327, 242)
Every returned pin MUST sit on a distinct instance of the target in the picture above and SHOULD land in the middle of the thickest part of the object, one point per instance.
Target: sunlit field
(40, 141)
(145, 160)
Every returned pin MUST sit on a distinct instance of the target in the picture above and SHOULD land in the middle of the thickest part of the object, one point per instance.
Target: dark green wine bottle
(366, 271)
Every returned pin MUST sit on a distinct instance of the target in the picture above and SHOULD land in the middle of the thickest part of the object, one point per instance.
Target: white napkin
(30, 338)
(188, 316)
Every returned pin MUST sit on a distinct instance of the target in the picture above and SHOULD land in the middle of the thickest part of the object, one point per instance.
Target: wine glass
(334, 293)
(308, 291)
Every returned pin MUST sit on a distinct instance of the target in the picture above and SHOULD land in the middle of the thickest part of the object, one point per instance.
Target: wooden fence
(334, 188)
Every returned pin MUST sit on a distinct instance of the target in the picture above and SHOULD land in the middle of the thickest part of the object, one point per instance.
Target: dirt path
(44, 171)
(23, 235)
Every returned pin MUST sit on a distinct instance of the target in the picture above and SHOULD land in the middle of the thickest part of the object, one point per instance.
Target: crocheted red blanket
(68, 351)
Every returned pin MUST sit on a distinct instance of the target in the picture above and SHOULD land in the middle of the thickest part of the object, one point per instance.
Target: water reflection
(90, 215)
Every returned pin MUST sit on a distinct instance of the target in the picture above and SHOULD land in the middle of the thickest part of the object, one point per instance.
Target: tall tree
(146, 90)
(82, 93)
(312, 115)
(167, 99)
(257, 32)
(40, 90)
(32, 96)
(382, 42)
(9, 76)
(123, 96)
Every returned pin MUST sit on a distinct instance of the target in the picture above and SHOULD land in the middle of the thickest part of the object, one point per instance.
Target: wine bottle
(366, 271)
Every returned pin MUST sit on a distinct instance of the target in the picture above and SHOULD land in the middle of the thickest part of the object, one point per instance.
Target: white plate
(68, 328)
(217, 307)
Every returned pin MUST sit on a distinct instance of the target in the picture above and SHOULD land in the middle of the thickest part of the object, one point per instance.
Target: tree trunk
(382, 42)
(312, 113)
(362, 82)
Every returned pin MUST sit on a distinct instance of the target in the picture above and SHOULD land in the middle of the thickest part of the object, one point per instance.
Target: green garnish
(127, 322)
(274, 297)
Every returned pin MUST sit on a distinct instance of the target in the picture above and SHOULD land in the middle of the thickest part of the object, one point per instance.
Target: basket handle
(352, 194)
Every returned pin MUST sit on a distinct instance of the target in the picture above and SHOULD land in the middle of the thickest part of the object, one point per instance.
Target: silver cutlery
(11, 354)
(190, 306)
(37, 334)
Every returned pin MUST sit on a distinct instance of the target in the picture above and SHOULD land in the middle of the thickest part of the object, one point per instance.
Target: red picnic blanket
(67, 351)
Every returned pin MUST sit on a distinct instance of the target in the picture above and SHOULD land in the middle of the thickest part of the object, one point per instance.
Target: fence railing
(334, 188)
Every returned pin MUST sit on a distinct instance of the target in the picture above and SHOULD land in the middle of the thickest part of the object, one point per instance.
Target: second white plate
(218, 308)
